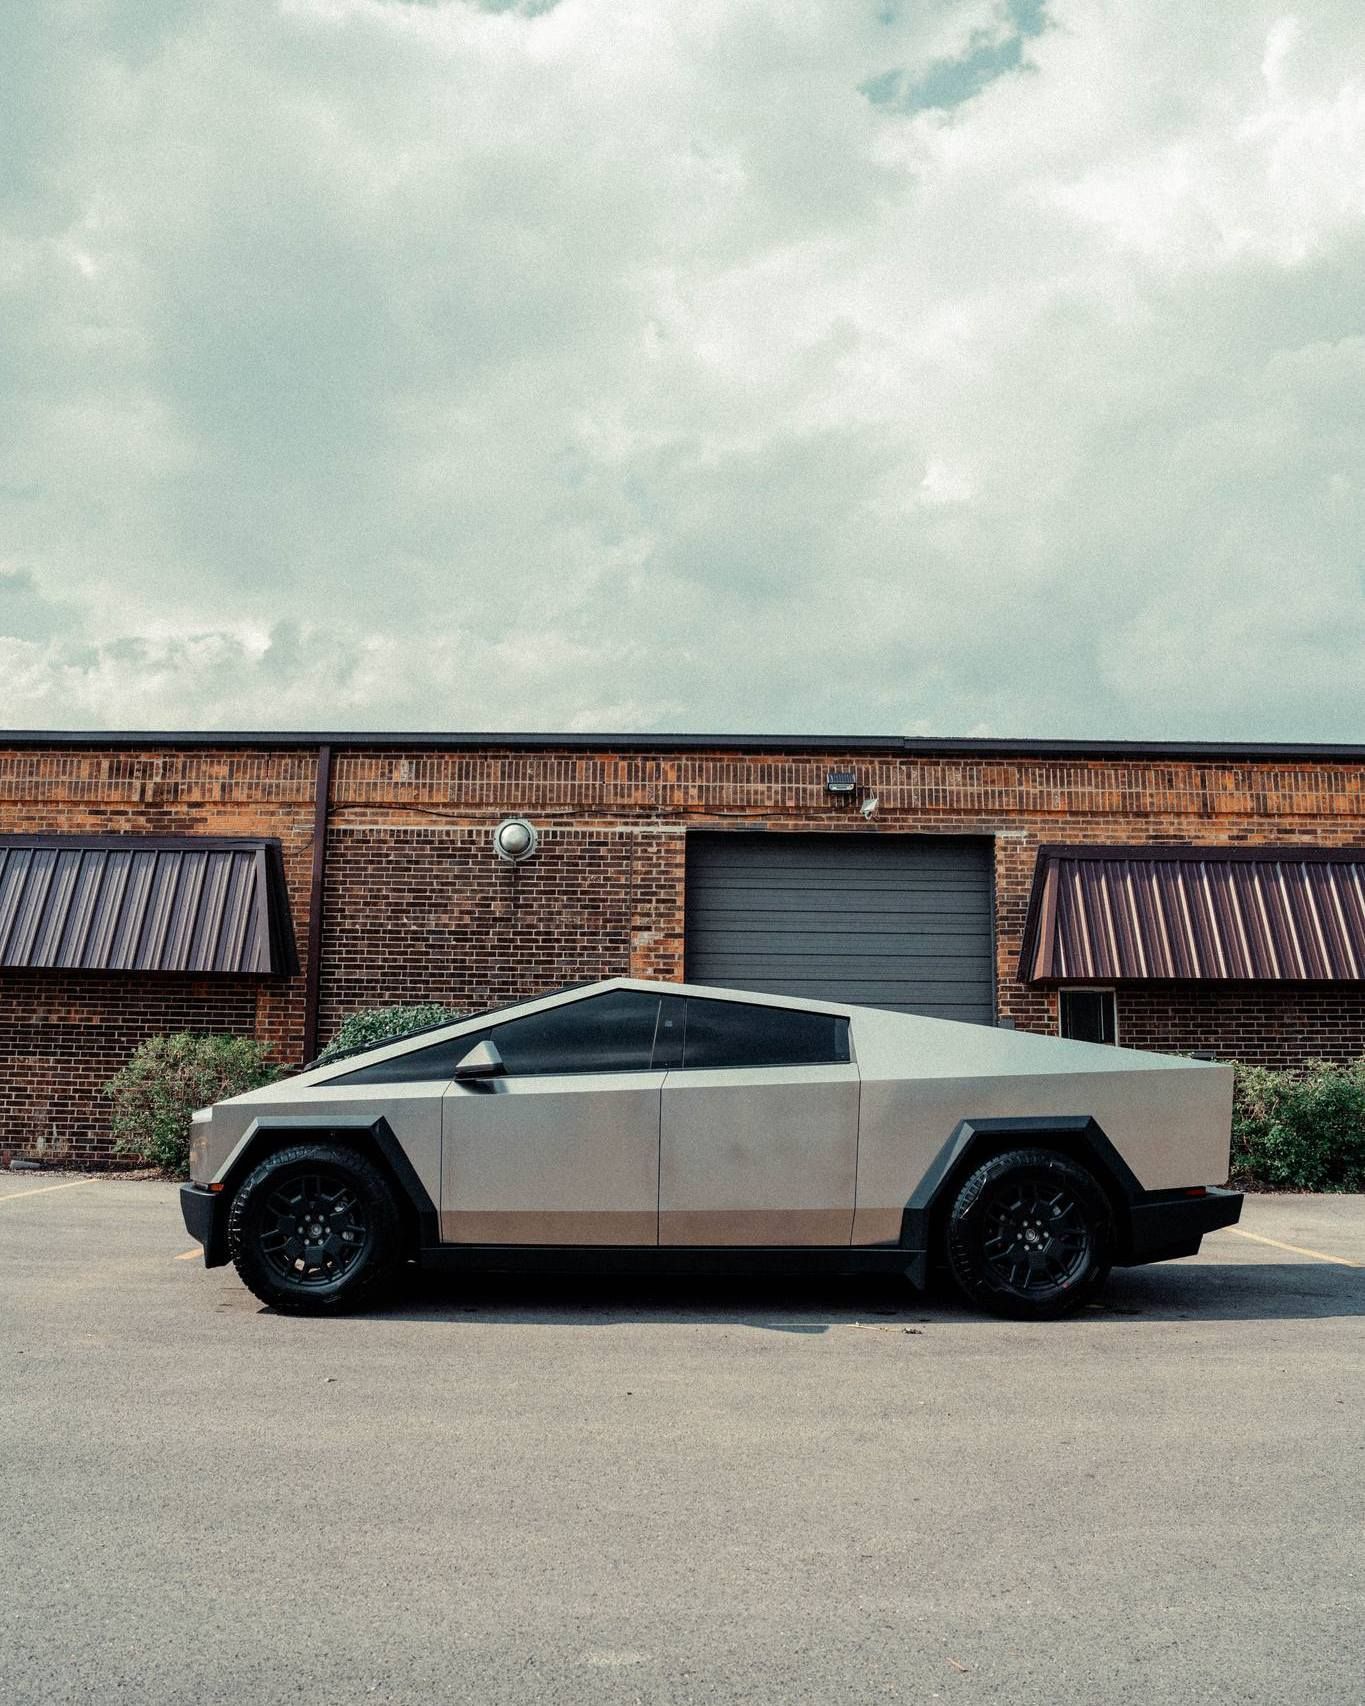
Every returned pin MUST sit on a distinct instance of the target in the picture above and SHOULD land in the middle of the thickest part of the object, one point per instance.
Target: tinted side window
(605, 1033)
(731, 1033)
(668, 1037)
(436, 1062)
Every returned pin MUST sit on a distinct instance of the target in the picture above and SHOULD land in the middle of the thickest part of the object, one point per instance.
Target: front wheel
(314, 1230)
(1030, 1235)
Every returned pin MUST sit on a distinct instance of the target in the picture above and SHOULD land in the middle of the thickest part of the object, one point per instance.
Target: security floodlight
(515, 839)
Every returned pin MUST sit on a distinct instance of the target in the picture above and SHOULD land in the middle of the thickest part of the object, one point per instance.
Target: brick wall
(418, 908)
(1270, 1024)
(475, 946)
(64, 1035)
(432, 915)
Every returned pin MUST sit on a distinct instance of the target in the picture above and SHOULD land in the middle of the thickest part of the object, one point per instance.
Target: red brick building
(1204, 898)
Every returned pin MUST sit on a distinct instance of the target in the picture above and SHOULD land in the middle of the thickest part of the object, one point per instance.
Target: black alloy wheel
(1030, 1235)
(314, 1229)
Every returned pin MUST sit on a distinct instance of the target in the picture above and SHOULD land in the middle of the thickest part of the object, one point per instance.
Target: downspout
(312, 983)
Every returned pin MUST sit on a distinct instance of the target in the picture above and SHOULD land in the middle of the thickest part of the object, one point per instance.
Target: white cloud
(433, 365)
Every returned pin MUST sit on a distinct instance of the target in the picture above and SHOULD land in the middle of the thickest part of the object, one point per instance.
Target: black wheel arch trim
(1143, 1217)
(301, 1127)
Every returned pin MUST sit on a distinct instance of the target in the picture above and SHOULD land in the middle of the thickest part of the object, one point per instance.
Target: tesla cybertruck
(672, 1127)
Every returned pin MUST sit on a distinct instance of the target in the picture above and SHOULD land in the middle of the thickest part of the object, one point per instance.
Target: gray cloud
(442, 365)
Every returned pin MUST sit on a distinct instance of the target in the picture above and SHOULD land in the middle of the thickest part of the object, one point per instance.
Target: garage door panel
(840, 851)
(864, 910)
(853, 981)
(911, 998)
(897, 921)
(892, 909)
(839, 944)
(886, 969)
(766, 882)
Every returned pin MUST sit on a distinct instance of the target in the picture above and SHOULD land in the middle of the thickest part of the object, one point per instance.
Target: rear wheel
(314, 1230)
(1030, 1235)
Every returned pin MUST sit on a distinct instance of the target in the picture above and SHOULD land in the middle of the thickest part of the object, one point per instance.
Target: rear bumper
(1165, 1224)
(205, 1215)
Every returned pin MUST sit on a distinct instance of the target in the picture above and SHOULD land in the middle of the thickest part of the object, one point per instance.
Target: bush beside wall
(1299, 1130)
(382, 1025)
(166, 1079)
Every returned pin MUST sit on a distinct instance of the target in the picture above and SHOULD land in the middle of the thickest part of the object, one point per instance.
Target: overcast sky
(871, 366)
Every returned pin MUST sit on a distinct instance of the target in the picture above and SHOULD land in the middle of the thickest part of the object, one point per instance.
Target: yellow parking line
(185, 1255)
(1294, 1249)
(70, 1185)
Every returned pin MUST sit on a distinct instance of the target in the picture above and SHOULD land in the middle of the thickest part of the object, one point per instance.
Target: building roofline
(1200, 853)
(928, 746)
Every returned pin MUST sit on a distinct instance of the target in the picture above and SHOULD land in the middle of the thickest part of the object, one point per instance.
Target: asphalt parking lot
(601, 1492)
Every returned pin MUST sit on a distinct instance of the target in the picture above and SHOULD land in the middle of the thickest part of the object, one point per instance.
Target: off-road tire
(1030, 1235)
(315, 1230)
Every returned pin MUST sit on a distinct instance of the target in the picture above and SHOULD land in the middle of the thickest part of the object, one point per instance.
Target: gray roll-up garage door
(886, 920)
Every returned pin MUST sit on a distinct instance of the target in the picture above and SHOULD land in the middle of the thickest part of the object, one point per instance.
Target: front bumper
(1165, 1224)
(205, 1215)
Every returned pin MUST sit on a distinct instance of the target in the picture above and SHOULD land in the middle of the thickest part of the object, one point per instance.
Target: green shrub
(1300, 1130)
(382, 1024)
(166, 1079)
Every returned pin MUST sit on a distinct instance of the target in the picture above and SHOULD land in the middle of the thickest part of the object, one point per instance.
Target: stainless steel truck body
(639, 1124)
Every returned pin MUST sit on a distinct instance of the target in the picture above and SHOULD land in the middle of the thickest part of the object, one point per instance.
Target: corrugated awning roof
(1102, 914)
(134, 903)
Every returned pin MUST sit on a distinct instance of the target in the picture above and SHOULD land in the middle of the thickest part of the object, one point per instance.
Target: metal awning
(1109, 914)
(134, 903)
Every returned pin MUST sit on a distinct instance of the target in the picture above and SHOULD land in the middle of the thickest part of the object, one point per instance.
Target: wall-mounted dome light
(515, 839)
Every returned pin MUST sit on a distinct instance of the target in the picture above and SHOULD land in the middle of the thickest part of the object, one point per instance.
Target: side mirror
(482, 1061)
